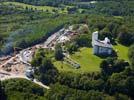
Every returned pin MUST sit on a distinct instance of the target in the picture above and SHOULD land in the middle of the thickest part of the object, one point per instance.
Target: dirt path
(23, 58)
(12, 76)
(8, 61)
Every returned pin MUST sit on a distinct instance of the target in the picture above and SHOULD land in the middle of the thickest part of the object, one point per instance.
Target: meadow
(39, 8)
(89, 62)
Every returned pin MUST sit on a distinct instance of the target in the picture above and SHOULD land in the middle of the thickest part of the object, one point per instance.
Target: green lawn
(122, 51)
(88, 61)
(44, 8)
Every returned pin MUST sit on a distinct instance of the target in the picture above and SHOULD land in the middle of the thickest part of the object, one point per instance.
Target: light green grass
(88, 61)
(30, 6)
(122, 51)
(43, 8)
(65, 67)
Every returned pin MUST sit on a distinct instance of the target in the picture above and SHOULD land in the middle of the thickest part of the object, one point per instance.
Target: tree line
(115, 78)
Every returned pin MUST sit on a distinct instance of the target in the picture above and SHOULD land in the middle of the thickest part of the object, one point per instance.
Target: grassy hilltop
(88, 61)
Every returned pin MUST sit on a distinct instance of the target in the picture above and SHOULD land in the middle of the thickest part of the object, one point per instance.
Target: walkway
(12, 76)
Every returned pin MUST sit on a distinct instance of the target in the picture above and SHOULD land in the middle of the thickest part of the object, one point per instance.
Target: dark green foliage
(72, 47)
(82, 82)
(110, 29)
(106, 33)
(2, 92)
(120, 96)
(131, 55)
(126, 38)
(83, 40)
(58, 52)
(71, 10)
(45, 71)
(122, 82)
(2, 37)
(112, 65)
(61, 92)
(38, 57)
(21, 44)
(26, 89)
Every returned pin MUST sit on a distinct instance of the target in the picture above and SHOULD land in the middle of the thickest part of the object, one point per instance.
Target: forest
(30, 23)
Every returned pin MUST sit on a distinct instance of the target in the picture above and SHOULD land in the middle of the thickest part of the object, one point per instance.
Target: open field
(42, 8)
(85, 58)
(122, 52)
(88, 61)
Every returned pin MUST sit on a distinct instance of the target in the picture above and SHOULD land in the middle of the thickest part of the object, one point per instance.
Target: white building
(101, 47)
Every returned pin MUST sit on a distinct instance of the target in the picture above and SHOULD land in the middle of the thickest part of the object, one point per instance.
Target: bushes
(112, 65)
(131, 55)
(126, 35)
(72, 47)
(44, 69)
(23, 88)
(61, 92)
(58, 52)
(126, 38)
(121, 83)
(2, 92)
(83, 81)
(84, 40)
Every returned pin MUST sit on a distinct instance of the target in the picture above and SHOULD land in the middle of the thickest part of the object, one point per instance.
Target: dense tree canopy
(22, 89)
(61, 92)
(2, 92)
(45, 70)
(112, 65)
(58, 52)
(131, 55)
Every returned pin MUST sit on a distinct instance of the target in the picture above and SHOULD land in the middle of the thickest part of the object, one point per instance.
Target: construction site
(18, 64)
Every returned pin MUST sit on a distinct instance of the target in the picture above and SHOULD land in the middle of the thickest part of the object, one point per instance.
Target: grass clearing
(122, 51)
(42, 8)
(23, 5)
(85, 58)
(88, 61)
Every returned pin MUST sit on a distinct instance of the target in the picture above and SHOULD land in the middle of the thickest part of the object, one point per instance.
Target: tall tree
(131, 55)
(58, 52)
(112, 65)
(2, 94)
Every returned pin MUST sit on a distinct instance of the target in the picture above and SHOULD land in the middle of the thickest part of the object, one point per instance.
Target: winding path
(12, 76)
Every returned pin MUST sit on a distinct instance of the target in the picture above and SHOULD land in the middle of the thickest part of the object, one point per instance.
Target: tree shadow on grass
(104, 56)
